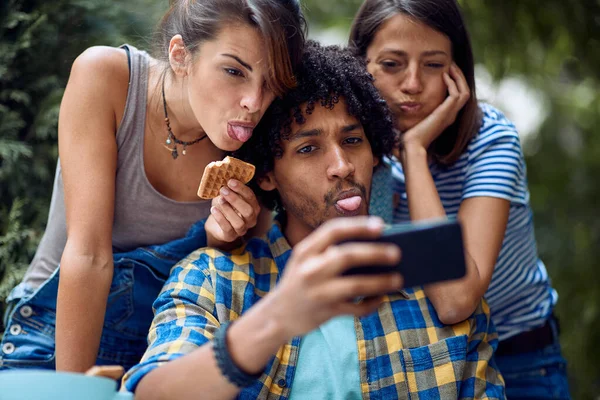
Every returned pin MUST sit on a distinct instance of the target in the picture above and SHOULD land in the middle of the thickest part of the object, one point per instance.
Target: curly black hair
(326, 74)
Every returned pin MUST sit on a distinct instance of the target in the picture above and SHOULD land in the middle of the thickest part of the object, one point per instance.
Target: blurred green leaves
(39, 40)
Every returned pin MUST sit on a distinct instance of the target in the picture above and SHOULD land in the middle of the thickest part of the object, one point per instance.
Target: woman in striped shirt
(462, 159)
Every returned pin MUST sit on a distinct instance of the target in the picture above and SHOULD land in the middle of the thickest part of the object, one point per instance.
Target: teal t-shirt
(328, 363)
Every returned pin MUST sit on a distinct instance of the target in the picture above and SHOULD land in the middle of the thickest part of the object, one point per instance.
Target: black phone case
(430, 253)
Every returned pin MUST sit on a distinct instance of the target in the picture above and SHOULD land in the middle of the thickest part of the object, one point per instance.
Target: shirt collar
(278, 244)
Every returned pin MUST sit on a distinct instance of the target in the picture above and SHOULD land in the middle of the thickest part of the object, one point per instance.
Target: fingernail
(224, 191)
(232, 183)
(212, 210)
(375, 223)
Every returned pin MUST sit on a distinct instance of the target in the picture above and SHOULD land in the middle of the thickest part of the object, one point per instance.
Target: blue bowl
(51, 385)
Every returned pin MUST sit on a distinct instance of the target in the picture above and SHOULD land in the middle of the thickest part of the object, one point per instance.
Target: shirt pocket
(436, 369)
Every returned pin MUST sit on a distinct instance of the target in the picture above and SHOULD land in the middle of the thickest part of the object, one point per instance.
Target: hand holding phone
(431, 252)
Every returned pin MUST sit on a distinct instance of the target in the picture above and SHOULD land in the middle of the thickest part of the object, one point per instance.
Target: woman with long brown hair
(135, 133)
(458, 158)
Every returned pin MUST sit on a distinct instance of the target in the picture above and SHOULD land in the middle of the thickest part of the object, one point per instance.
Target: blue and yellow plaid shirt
(404, 351)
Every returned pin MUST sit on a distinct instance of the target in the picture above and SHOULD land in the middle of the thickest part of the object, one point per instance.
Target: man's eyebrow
(305, 133)
(350, 128)
(236, 58)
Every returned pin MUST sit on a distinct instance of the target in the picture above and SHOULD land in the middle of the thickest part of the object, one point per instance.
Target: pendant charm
(174, 153)
(168, 141)
(183, 152)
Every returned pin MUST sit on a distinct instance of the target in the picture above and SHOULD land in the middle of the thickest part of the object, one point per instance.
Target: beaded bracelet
(227, 366)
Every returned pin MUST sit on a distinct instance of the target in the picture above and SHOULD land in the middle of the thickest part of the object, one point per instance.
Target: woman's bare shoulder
(102, 63)
(103, 59)
(100, 76)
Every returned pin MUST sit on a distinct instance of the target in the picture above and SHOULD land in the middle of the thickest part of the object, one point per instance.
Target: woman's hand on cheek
(232, 214)
(426, 131)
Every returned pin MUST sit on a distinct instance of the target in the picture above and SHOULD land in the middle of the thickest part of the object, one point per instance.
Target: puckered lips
(410, 107)
(348, 202)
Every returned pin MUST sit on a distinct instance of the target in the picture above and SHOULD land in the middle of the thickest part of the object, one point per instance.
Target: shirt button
(8, 348)
(26, 311)
(15, 329)
(281, 383)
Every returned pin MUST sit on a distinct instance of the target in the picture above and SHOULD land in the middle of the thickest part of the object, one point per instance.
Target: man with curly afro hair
(266, 322)
(326, 75)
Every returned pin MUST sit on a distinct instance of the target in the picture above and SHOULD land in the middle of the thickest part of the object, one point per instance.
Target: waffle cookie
(217, 173)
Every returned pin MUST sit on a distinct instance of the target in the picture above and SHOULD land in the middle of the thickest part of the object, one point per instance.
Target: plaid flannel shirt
(404, 351)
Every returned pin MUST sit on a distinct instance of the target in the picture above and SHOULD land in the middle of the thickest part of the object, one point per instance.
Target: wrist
(211, 240)
(223, 245)
(255, 338)
(276, 315)
(413, 151)
(231, 369)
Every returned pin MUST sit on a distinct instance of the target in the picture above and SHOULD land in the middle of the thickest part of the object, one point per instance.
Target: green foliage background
(554, 45)
(38, 42)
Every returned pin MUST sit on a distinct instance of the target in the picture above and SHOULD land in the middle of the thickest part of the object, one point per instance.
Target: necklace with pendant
(171, 138)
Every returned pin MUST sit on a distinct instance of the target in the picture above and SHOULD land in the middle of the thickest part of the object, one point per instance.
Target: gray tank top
(143, 216)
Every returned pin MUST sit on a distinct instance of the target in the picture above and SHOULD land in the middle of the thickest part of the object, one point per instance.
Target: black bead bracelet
(227, 366)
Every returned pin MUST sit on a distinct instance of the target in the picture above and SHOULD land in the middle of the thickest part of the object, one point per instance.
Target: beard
(314, 213)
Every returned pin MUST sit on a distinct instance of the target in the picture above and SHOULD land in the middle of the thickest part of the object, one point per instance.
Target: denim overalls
(138, 278)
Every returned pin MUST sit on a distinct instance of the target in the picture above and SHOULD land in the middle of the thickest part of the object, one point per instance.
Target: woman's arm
(88, 157)
(484, 221)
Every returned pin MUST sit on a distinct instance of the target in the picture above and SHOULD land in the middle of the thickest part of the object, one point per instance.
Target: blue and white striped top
(520, 295)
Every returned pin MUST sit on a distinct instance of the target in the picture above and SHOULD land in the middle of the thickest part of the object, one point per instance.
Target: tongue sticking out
(242, 133)
(350, 204)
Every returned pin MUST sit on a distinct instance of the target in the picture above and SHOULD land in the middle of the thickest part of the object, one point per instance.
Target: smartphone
(431, 252)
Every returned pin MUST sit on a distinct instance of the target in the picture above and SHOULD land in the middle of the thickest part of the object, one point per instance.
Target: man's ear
(375, 161)
(178, 55)
(267, 182)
